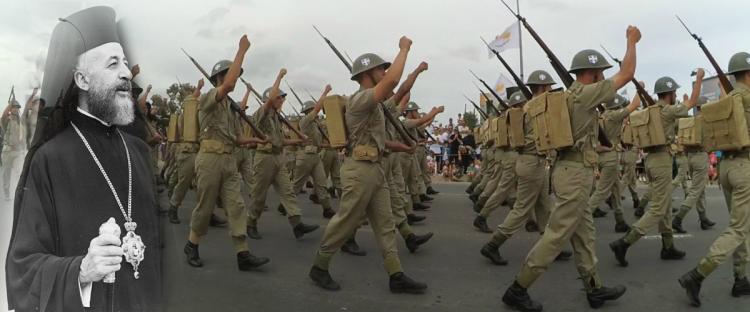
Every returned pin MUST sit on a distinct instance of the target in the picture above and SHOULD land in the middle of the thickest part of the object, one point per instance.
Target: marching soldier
(184, 161)
(505, 190)
(331, 165)
(215, 166)
(734, 177)
(681, 178)
(268, 167)
(12, 141)
(628, 160)
(30, 114)
(659, 168)
(410, 164)
(609, 170)
(572, 178)
(365, 192)
(490, 171)
(309, 163)
(697, 163)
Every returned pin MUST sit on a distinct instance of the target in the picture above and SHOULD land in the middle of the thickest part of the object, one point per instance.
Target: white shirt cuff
(85, 290)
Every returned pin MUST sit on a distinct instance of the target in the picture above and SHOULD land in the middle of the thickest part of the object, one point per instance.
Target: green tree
(470, 120)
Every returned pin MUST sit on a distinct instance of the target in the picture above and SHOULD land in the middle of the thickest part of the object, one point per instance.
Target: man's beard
(108, 106)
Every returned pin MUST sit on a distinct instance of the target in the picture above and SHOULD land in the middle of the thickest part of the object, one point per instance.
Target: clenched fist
(422, 67)
(404, 43)
(633, 34)
(244, 43)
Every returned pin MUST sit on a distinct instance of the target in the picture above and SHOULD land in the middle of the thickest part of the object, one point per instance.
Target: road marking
(676, 236)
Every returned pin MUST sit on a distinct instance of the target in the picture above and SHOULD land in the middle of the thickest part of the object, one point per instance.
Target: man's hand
(135, 70)
(699, 74)
(685, 98)
(201, 83)
(633, 34)
(282, 72)
(422, 67)
(244, 43)
(327, 88)
(104, 256)
(438, 109)
(404, 43)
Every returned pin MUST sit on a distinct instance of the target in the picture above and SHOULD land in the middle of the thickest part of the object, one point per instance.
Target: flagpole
(520, 40)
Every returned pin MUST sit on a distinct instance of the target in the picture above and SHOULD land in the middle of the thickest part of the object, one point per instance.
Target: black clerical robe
(66, 199)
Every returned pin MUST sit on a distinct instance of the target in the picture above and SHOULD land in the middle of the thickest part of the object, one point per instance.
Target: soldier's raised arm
(393, 75)
(274, 90)
(230, 80)
(696, 94)
(319, 103)
(409, 82)
(197, 91)
(627, 69)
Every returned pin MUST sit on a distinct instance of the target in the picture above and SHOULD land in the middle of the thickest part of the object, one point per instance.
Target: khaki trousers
(185, 171)
(607, 184)
(271, 169)
(696, 195)
(217, 177)
(533, 195)
(309, 165)
(659, 212)
(505, 188)
(331, 166)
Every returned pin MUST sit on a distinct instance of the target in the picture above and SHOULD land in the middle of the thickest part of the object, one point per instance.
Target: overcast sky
(445, 33)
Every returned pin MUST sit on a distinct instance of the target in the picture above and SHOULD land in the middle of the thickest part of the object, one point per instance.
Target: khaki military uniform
(628, 160)
(506, 187)
(183, 164)
(681, 178)
(12, 148)
(697, 162)
(487, 171)
(734, 178)
(269, 168)
(245, 155)
(309, 163)
(533, 189)
(572, 178)
(331, 163)
(659, 170)
(216, 171)
(365, 187)
(609, 169)
(411, 170)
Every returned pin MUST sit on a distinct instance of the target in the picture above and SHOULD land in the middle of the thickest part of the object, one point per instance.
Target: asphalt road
(459, 278)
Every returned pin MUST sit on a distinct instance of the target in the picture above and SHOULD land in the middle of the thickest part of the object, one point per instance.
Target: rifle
(394, 122)
(484, 115)
(566, 78)
(642, 93)
(323, 133)
(720, 73)
(524, 88)
(232, 104)
(12, 94)
(278, 114)
(499, 100)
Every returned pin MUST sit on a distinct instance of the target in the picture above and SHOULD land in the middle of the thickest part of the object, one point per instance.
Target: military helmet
(220, 67)
(665, 84)
(267, 93)
(308, 106)
(411, 107)
(539, 77)
(516, 98)
(15, 103)
(588, 59)
(617, 102)
(366, 62)
(739, 62)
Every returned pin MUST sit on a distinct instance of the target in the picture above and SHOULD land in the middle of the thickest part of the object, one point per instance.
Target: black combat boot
(622, 227)
(481, 224)
(193, 258)
(174, 218)
(413, 241)
(531, 226)
(598, 213)
(636, 202)
(598, 296)
(217, 221)
(246, 261)
(432, 191)
(677, 225)
(741, 287)
(281, 210)
(490, 251)
(400, 283)
(323, 279)
(332, 191)
(351, 247)
(425, 198)
(672, 253)
(328, 213)
(620, 248)
(474, 198)
(309, 184)
(420, 207)
(412, 218)
(314, 198)
(639, 212)
(707, 224)
(517, 297)
(301, 229)
(252, 232)
(691, 282)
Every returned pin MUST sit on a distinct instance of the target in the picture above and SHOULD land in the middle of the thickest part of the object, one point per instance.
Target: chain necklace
(132, 245)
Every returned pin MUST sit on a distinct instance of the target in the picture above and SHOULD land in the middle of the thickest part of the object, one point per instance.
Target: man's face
(278, 102)
(14, 110)
(378, 74)
(103, 75)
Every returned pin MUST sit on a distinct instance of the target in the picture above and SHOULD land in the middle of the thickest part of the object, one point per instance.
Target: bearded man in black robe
(80, 172)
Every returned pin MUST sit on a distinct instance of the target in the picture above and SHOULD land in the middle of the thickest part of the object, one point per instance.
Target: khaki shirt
(393, 109)
(584, 118)
(270, 125)
(743, 91)
(669, 116)
(365, 120)
(529, 137)
(215, 119)
(308, 125)
(613, 120)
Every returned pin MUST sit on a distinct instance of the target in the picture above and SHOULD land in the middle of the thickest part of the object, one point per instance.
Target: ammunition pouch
(648, 129)
(725, 125)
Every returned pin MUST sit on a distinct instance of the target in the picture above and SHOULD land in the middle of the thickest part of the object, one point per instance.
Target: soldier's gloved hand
(104, 256)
